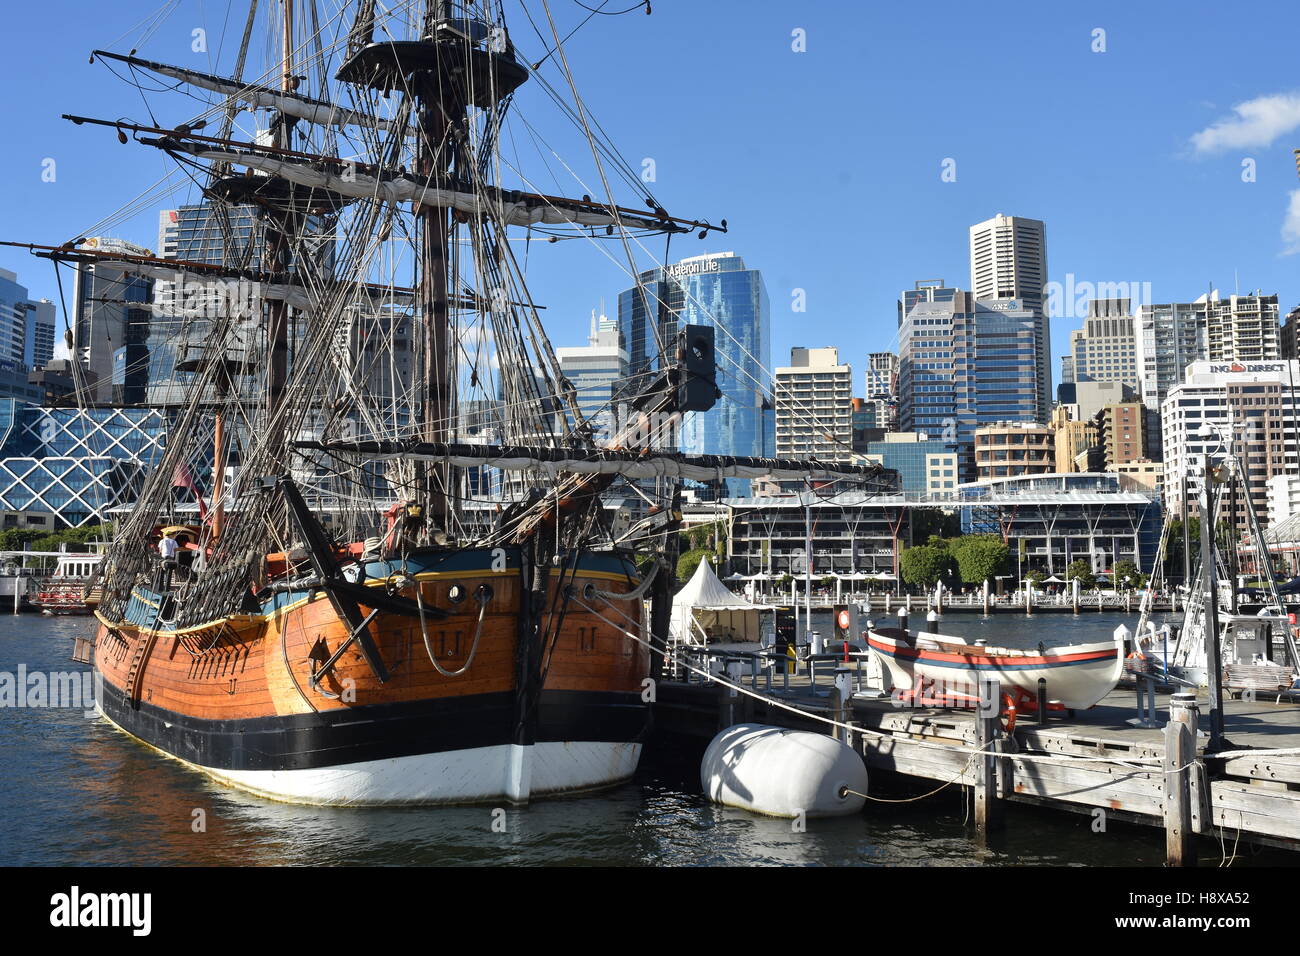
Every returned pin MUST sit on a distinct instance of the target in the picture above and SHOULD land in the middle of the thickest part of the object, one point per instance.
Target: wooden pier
(1156, 776)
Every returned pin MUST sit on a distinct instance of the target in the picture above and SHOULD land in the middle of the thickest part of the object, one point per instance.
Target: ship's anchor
(318, 674)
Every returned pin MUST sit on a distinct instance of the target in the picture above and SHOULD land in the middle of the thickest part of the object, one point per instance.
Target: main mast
(280, 225)
(436, 106)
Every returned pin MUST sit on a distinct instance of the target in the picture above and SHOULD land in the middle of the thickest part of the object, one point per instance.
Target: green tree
(689, 562)
(1035, 578)
(923, 566)
(1174, 546)
(1082, 570)
(926, 523)
(979, 557)
(1127, 569)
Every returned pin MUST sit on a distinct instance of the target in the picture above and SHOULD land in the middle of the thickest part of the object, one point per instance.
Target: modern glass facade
(1048, 521)
(923, 467)
(76, 464)
(716, 290)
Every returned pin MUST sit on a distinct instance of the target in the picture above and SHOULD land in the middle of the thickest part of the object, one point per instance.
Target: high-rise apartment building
(111, 331)
(1008, 260)
(924, 290)
(1243, 328)
(26, 337)
(1105, 349)
(882, 389)
(814, 406)
(1250, 409)
(1121, 433)
(965, 363)
(1170, 336)
(1008, 263)
(596, 371)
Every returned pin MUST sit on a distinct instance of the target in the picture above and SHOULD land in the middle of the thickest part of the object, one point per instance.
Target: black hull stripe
(378, 732)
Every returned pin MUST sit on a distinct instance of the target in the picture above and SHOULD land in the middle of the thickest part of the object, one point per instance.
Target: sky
(849, 145)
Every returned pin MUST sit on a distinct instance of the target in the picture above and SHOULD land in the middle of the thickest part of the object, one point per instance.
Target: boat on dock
(71, 588)
(948, 668)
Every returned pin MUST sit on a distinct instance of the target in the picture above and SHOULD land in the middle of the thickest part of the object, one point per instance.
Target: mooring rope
(1130, 763)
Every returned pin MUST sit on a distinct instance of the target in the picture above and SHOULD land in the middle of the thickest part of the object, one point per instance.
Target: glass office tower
(965, 363)
(718, 290)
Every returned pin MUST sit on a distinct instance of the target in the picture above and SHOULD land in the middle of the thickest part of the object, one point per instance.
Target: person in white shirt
(167, 547)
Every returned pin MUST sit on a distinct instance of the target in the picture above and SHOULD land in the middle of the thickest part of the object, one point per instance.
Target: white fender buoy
(782, 773)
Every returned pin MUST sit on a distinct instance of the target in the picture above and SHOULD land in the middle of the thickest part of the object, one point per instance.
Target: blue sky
(826, 163)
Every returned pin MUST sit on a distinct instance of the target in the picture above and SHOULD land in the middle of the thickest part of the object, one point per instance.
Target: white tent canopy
(704, 610)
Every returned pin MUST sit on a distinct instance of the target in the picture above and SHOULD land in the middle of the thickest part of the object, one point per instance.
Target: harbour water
(78, 792)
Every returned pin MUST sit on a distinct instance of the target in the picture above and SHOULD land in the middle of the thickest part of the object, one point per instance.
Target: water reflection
(77, 791)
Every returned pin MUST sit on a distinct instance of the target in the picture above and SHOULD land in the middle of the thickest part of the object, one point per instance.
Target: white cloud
(1256, 122)
(1291, 225)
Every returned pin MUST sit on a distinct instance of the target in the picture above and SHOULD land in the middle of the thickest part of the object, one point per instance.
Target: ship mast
(279, 226)
(436, 106)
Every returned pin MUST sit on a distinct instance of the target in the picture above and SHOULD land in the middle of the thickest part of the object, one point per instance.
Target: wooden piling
(988, 729)
(729, 697)
(841, 698)
(1180, 753)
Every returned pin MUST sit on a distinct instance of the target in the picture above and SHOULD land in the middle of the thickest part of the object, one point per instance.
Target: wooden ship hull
(249, 700)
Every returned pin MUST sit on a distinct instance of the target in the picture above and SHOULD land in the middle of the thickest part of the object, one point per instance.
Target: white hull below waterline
(509, 773)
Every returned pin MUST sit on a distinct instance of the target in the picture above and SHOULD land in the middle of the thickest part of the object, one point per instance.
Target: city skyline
(1186, 185)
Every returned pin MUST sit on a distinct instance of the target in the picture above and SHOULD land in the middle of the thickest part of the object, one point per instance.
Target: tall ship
(378, 563)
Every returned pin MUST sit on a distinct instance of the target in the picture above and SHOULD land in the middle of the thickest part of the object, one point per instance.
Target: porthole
(483, 593)
(456, 593)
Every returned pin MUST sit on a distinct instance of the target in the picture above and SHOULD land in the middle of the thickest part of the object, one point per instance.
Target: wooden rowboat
(1078, 675)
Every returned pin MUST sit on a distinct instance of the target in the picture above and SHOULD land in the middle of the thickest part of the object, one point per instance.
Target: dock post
(902, 623)
(987, 603)
(1180, 752)
(1029, 599)
(909, 602)
(729, 697)
(842, 696)
(988, 810)
(887, 602)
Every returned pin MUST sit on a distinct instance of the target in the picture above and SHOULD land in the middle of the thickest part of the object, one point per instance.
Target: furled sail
(601, 461)
(511, 207)
(259, 97)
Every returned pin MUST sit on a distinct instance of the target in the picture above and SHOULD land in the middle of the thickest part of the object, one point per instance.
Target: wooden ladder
(144, 643)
